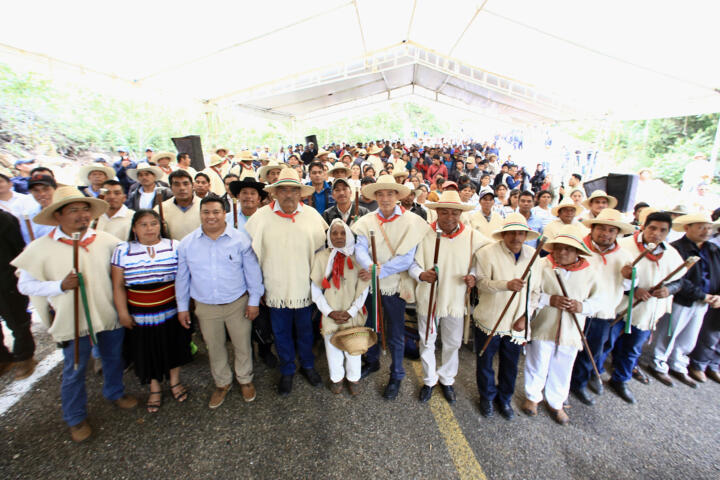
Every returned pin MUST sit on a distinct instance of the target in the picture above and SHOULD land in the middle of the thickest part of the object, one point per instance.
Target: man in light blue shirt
(218, 269)
(526, 201)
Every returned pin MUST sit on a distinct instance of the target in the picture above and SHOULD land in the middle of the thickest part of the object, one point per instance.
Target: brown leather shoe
(5, 367)
(218, 396)
(684, 378)
(353, 387)
(663, 378)
(25, 368)
(80, 432)
(126, 402)
(248, 391)
(559, 416)
(698, 375)
(529, 407)
(713, 375)
(336, 387)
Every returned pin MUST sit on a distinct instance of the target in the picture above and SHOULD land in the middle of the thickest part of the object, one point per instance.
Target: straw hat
(400, 173)
(65, 195)
(145, 167)
(321, 152)
(215, 159)
(245, 156)
(514, 222)
(262, 171)
(612, 201)
(332, 156)
(679, 210)
(385, 182)
(449, 199)
(355, 341)
(85, 171)
(374, 150)
(566, 203)
(222, 148)
(680, 222)
(338, 167)
(610, 216)
(571, 235)
(154, 159)
(289, 178)
(644, 213)
(362, 151)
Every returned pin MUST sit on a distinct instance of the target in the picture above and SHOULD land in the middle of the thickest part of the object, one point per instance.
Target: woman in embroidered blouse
(143, 275)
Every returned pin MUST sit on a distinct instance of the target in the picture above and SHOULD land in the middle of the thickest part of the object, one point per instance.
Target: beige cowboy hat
(612, 217)
(65, 195)
(384, 182)
(355, 341)
(449, 199)
(567, 202)
(571, 235)
(154, 159)
(145, 167)
(362, 151)
(400, 173)
(85, 171)
(222, 148)
(289, 178)
(321, 152)
(265, 169)
(644, 213)
(514, 222)
(374, 150)
(332, 156)
(680, 222)
(245, 156)
(338, 167)
(679, 210)
(612, 201)
(215, 159)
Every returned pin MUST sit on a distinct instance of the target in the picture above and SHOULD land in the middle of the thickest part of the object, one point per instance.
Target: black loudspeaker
(192, 145)
(311, 139)
(621, 186)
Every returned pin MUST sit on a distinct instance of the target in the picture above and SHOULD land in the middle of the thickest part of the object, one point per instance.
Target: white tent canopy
(522, 61)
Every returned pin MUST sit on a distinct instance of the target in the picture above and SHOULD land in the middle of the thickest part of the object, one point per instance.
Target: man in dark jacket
(676, 335)
(122, 166)
(344, 207)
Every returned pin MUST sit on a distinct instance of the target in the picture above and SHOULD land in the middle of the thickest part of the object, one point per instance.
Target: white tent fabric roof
(520, 60)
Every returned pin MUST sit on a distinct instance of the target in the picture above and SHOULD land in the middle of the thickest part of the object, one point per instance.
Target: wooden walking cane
(235, 212)
(380, 317)
(28, 224)
(466, 326)
(688, 263)
(101, 196)
(540, 244)
(159, 201)
(76, 302)
(432, 285)
(356, 207)
(650, 248)
(577, 324)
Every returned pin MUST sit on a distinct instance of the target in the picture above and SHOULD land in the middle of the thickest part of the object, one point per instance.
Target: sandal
(640, 376)
(180, 396)
(153, 406)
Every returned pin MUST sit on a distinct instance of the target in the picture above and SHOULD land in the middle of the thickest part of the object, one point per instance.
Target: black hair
(199, 174)
(578, 176)
(111, 183)
(180, 156)
(210, 198)
(315, 164)
(180, 173)
(141, 213)
(42, 169)
(525, 193)
(367, 180)
(541, 193)
(663, 217)
(639, 205)
(231, 175)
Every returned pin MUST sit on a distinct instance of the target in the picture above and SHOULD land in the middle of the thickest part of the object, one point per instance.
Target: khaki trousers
(213, 320)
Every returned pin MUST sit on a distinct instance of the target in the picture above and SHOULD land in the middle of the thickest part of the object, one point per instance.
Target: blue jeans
(597, 333)
(72, 391)
(394, 315)
(626, 353)
(282, 320)
(508, 357)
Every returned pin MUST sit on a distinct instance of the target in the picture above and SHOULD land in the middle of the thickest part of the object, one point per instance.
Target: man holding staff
(445, 308)
(45, 269)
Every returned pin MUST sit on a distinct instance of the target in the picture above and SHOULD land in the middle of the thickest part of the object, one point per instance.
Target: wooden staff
(101, 196)
(159, 201)
(356, 207)
(432, 285)
(577, 324)
(28, 224)
(76, 302)
(686, 264)
(540, 244)
(377, 294)
(650, 248)
(235, 212)
(466, 327)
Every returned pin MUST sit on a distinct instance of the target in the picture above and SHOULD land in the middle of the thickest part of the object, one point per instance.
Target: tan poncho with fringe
(285, 250)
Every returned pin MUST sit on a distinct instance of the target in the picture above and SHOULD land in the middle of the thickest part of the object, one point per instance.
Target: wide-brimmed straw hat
(612, 201)
(65, 195)
(217, 149)
(289, 178)
(215, 159)
(567, 202)
(85, 171)
(449, 199)
(385, 182)
(154, 159)
(571, 235)
(355, 341)
(400, 173)
(644, 213)
(244, 156)
(262, 171)
(612, 217)
(679, 210)
(321, 152)
(374, 150)
(338, 167)
(514, 222)
(680, 222)
(145, 167)
(247, 182)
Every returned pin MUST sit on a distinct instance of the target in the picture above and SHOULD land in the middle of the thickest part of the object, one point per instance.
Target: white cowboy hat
(245, 156)
(374, 150)
(612, 201)
(449, 199)
(215, 159)
(289, 178)
(567, 202)
(680, 222)
(571, 235)
(514, 222)
(337, 167)
(679, 210)
(65, 195)
(145, 167)
(321, 152)
(384, 182)
(222, 148)
(154, 159)
(610, 216)
(400, 173)
(85, 171)
(262, 171)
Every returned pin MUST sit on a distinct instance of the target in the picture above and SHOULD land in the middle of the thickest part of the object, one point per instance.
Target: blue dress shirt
(397, 264)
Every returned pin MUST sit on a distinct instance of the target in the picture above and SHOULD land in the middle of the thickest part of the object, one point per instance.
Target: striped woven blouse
(140, 268)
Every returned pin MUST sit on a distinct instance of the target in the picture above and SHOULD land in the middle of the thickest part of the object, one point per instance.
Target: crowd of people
(310, 249)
